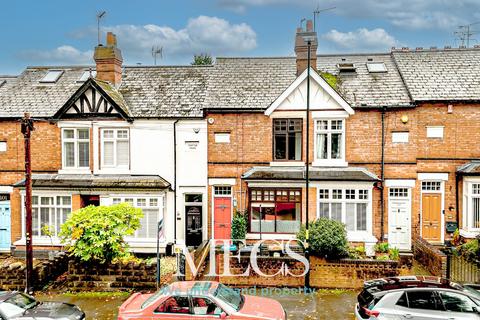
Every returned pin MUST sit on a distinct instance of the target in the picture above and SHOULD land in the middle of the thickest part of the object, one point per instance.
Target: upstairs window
(115, 148)
(287, 139)
(52, 76)
(329, 139)
(76, 148)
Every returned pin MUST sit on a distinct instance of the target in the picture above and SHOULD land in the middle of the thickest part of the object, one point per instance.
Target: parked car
(20, 306)
(206, 299)
(417, 297)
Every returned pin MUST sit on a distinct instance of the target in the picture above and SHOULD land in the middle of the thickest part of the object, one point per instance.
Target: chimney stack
(109, 61)
(301, 47)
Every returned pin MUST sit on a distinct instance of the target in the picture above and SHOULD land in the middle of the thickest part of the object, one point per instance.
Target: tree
(202, 59)
(97, 233)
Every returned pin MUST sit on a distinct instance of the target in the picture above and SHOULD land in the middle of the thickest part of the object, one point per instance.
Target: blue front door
(4, 225)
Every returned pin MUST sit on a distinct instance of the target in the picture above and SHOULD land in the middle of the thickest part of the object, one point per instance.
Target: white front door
(399, 215)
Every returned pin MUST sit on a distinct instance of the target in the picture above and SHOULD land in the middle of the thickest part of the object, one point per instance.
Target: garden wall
(344, 273)
(111, 277)
(13, 272)
(430, 257)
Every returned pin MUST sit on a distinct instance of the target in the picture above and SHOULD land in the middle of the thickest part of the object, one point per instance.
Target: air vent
(52, 76)
(376, 67)
(346, 67)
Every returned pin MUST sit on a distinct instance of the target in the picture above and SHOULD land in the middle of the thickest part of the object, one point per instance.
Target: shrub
(327, 238)
(470, 250)
(394, 254)
(239, 226)
(381, 247)
(97, 233)
(358, 252)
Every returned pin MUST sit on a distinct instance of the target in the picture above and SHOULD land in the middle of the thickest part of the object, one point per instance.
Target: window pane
(422, 300)
(322, 125)
(322, 142)
(83, 134)
(203, 306)
(280, 151)
(44, 219)
(193, 198)
(294, 146)
(323, 210)
(152, 215)
(68, 133)
(122, 153)
(83, 154)
(288, 217)
(337, 212)
(69, 154)
(323, 194)
(456, 302)
(153, 202)
(35, 228)
(142, 230)
(350, 216)
(108, 155)
(361, 216)
(108, 134)
(476, 213)
(122, 134)
(336, 146)
(46, 200)
(141, 202)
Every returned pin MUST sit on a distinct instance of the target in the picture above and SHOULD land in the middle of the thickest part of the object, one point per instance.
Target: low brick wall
(430, 257)
(344, 273)
(350, 273)
(112, 277)
(13, 272)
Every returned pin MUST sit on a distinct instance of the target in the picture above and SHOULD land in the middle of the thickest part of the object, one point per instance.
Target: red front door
(222, 218)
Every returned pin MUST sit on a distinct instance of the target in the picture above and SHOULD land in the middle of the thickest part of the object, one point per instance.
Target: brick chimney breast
(108, 60)
(301, 48)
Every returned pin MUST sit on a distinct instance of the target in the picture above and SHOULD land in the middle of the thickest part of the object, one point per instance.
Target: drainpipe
(382, 175)
(457, 212)
(175, 180)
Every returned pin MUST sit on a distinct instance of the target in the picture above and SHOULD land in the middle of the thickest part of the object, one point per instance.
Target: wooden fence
(461, 270)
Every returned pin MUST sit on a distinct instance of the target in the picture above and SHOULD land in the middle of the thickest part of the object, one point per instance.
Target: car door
(205, 308)
(174, 308)
(458, 306)
(419, 305)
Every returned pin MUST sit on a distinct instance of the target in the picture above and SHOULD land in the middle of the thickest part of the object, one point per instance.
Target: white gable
(91, 101)
(322, 96)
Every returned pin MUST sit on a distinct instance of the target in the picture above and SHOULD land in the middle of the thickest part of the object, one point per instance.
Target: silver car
(417, 298)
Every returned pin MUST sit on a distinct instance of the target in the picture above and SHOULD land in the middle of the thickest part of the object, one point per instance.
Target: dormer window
(52, 76)
(330, 140)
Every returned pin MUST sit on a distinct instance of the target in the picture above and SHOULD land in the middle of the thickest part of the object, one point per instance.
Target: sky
(54, 32)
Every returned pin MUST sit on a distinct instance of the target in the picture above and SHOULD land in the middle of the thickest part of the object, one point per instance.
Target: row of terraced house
(394, 145)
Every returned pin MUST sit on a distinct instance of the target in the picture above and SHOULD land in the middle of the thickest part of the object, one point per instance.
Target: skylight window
(52, 76)
(2, 82)
(86, 75)
(375, 67)
(346, 67)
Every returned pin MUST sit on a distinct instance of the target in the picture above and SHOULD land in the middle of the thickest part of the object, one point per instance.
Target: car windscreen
(154, 297)
(229, 296)
(16, 305)
(472, 291)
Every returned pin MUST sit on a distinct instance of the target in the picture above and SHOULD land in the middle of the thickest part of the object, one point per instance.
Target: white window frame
(400, 136)
(43, 240)
(353, 235)
(134, 201)
(222, 137)
(329, 161)
(468, 196)
(76, 141)
(115, 140)
(435, 132)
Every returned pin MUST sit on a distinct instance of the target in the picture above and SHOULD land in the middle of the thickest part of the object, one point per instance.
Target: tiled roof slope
(144, 92)
(165, 91)
(447, 74)
(257, 82)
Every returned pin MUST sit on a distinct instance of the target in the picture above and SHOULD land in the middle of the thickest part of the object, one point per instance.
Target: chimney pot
(111, 39)
(301, 47)
(309, 26)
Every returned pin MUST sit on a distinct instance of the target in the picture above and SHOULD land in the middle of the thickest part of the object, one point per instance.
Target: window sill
(113, 171)
(330, 163)
(271, 236)
(287, 164)
(40, 241)
(361, 236)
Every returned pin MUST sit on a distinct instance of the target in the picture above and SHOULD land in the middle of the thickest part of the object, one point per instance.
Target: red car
(199, 300)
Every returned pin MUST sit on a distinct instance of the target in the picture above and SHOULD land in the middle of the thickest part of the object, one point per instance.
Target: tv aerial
(100, 15)
(157, 51)
(316, 12)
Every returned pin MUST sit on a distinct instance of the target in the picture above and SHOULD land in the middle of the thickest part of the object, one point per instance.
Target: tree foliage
(202, 59)
(97, 233)
(327, 238)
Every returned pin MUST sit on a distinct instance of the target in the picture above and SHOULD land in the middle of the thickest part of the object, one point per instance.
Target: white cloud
(409, 14)
(64, 54)
(361, 40)
(202, 34)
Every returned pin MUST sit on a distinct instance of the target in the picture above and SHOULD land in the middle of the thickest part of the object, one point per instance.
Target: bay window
(349, 206)
(275, 210)
(49, 213)
(329, 139)
(287, 139)
(152, 208)
(115, 148)
(76, 148)
(472, 207)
